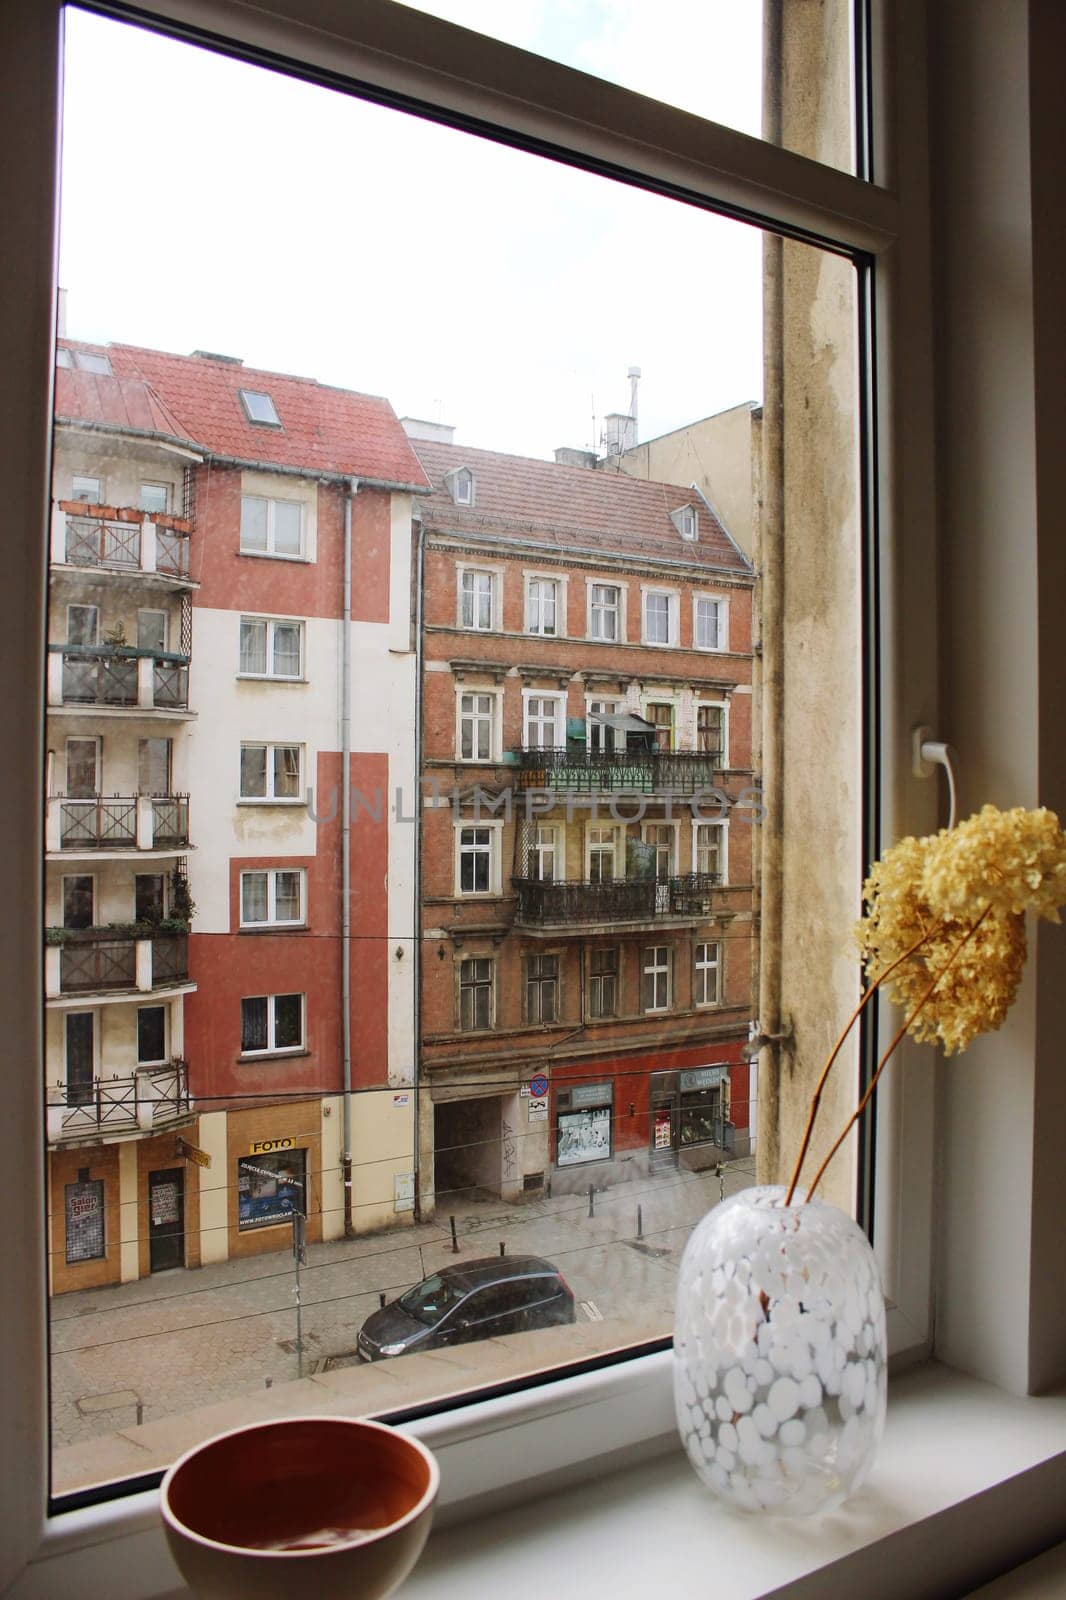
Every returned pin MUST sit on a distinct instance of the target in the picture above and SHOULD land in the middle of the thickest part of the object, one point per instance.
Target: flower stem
(882, 1064)
(817, 1095)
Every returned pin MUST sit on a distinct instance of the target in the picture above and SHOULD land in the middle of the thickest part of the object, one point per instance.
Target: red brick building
(588, 827)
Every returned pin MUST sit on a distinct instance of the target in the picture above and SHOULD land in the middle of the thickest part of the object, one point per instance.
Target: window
(601, 736)
(545, 721)
(270, 1187)
(149, 897)
(709, 616)
(656, 987)
(461, 482)
(155, 498)
(152, 631)
(660, 612)
(271, 648)
(545, 856)
(605, 612)
(154, 757)
(83, 768)
(92, 361)
(708, 848)
(83, 624)
(583, 1131)
(706, 975)
(542, 605)
(475, 994)
(542, 988)
(81, 1052)
(78, 896)
(602, 848)
(259, 408)
(151, 1035)
(271, 1023)
(660, 713)
(273, 897)
(662, 837)
(603, 981)
(710, 730)
(686, 520)
(477, 848)
(272, 527)
(87, 490)
(271, 772)
(476, 599)
(477, 726)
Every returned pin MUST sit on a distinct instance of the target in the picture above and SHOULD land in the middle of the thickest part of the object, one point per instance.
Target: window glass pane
(148, 896)
(287, 896)
(151, 630)
(151, 1033)
(288, 1026)
(82, 623)
(286, 772)
(154, 497)
(254, 1023)
(253, 771)
(253, 897)
(81, 1033)
(286, 649)
(288, 521)
(253, 646)
(81, 767)
(270, 1188)
(78, 902)
(87, 490)
(253, 523)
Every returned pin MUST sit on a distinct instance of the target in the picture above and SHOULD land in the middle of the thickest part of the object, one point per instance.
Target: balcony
(120, 540)
(576, 770)
(99, 824)
(118, 960)
(117, 678)
(579, 906)
(147, 1101)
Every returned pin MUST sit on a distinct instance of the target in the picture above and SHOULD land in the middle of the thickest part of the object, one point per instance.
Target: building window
(686, 520)
(662, 838)
(271, 1023)
(152, 631)
(151, 1035)
(270, 1187)
(78, 899)
(542, 988)
(605, 612)
(149, 897)
(91, 361)
(273, 897)
(477, 722)
(656, 988)
(659, 613)
(545, 727)
(544, 855)
(710, 730)
(706, 975)
(271, 649)
(259, 408)
(475, 994)
(583, 1125)
(709, 623)
(271, 527)
(271, 771)
(603, 981)
(708, 848)
(81, 1055)
(90, 491)
(602, 851)
(461, 484)
(542, 606)
(477, 847)
(83, 624)
(602, 738)
(83, 769)
(155, 498)
(660, 713)
(476, 599)
(83, 1216)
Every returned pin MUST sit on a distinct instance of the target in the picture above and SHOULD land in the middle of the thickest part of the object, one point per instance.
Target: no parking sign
(538, 1086)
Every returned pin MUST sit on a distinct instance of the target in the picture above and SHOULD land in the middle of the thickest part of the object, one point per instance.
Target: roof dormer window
(259, 408)
(461, 484)
(686, 520)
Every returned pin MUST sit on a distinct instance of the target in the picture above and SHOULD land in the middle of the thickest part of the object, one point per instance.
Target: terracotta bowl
(324, 1507)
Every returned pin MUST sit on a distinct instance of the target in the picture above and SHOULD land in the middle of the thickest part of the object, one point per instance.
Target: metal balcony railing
(170, 814)
(93, 961)
(147, 1100)
(123, 675)
(170, 684)
(98, 824)
(548, 903)
(581, 771)
(99, 680)
(93, 542)
(172, 552)
(121, 541)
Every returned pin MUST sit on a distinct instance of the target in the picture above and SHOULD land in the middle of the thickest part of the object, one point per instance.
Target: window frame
(271, 501)
(560, 583)
(704, 967)
(494, 829)
(271, 624)
(622, 590)
(495, 728)
(701, 597)
(271, 1048)
(558, 698)
(672, 597)
(651, 967)
(473, 959)
(722, 824)
(495, 577)
(271, 920)
(270, 798)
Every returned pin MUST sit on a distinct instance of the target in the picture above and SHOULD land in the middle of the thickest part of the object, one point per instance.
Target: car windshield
(431, 1299)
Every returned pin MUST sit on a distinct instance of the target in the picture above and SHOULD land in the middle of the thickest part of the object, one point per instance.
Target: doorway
(166, 1219)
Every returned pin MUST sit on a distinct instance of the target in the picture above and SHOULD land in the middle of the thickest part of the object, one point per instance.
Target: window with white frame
(477, 599)
(155, 498)
(602, 738)
(271, 772)
(478, 709)
(542, 988)
(602, 848)
(272, 527)
(273, 897)
(709, 615)
(272, 1023)
(544, 721)
(602, 981)
(542, 605)
(660, 616)
(709, 848)
(655, 989)
(477, 850)
(89, 491)
(271, 647)
(605, 612)
(545, 854)
(662, 838)
(461, 482)
(476, 975)
(706, 973)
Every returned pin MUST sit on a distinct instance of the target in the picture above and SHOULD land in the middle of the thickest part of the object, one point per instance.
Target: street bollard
(592, 1200)
(381, 1299)
(455, 1241)
(503, 1248)
(140, 1412)
(269, 1382)
(640, 1223)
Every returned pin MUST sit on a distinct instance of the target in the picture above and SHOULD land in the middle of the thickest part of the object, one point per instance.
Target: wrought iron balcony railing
(118, 822)
(109, 675)
(145, 1101)
(122, 540)
(549, 903)
(581, 771)
(92, 961)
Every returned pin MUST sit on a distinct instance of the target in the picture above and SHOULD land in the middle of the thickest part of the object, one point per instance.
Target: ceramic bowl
(328, 1508)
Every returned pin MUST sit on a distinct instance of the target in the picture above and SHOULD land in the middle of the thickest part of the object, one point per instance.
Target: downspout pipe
(416, 898)
(352, 489)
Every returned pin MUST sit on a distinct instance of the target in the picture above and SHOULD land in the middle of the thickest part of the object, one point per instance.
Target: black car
(475, 1300)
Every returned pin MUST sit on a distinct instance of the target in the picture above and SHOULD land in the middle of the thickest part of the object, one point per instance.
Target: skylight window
(259, 407)
(89, 361)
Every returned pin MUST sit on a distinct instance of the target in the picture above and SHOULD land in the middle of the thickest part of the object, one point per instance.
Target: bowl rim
(174, 1522)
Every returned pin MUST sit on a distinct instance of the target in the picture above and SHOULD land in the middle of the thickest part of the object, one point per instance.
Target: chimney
(432, 432)
(567, 457)
(620, 428)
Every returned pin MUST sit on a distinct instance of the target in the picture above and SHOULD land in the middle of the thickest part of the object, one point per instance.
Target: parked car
(471, 1300)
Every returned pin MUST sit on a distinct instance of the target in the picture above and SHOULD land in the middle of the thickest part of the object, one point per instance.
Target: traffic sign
(538, 1086)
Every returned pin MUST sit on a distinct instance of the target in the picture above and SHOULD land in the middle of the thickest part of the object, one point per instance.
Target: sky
(211, 205)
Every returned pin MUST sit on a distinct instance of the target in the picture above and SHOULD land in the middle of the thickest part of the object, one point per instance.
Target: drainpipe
(352, 487)
(416, 897)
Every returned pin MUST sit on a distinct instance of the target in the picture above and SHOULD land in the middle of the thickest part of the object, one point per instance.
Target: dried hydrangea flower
(1012, 860)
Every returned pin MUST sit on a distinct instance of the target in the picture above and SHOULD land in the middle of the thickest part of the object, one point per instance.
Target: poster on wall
(584, 1136)
(85, 1220)
(269, 1188)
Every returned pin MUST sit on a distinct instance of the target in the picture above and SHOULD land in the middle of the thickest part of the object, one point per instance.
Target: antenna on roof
(594, 441)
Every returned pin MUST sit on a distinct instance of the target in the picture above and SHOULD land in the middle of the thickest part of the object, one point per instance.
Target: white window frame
(272, 920)
(271, 624)
(462, 478)
(622, 589)
(558, 698)
(273, 1049)
(494, 827)
(723, 845)
(270, 553)
(86, 477)
(702, 598)
(701, 968)
(560, 581)
(556, 848)
(801, 193)
(652, 967)
(673, 611)
(618, 832)
(270, 798)
(495, 577)
(495, 729)
(675, 840)
(168, 496)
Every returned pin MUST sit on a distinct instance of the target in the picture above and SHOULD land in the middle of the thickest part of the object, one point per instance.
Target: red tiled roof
(554, 505)
(123, 402)
(322, 429)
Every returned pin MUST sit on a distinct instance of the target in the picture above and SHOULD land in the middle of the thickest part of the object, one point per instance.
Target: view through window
(406, 695)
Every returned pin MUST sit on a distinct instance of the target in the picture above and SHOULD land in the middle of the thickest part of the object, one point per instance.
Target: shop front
(689, 1122)
(275, 1173)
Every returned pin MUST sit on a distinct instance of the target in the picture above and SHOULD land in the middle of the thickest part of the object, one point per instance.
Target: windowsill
(272, 1055)
(276, 555)
(268, 800)
(266, 677)
(276, 927)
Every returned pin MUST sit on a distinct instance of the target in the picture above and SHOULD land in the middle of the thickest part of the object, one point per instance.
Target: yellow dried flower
(1012, 860)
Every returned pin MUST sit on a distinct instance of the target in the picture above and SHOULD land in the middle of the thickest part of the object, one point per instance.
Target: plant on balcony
(182, 904)
(116, 636)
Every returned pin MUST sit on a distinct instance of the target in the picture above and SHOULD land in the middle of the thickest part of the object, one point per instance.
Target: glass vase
(779, 1353)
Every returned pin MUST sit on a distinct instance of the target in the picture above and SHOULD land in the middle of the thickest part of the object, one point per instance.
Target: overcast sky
(212, 205)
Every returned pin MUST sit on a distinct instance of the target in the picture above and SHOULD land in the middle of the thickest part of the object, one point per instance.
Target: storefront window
(270, 1188)
(84, 1215)
(584, 1124)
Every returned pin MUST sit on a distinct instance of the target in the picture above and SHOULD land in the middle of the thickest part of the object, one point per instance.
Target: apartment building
(230, 993)
(588, 827)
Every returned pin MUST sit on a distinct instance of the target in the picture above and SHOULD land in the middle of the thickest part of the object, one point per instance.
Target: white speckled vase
(779, 1353)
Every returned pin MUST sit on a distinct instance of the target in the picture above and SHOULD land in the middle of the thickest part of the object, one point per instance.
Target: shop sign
(704, 1077)
(262, 1147)
(85, 1220)
(591, 1094)
(165, 1204)
(663, 1129)
(189, 1152)
(538, 1108)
